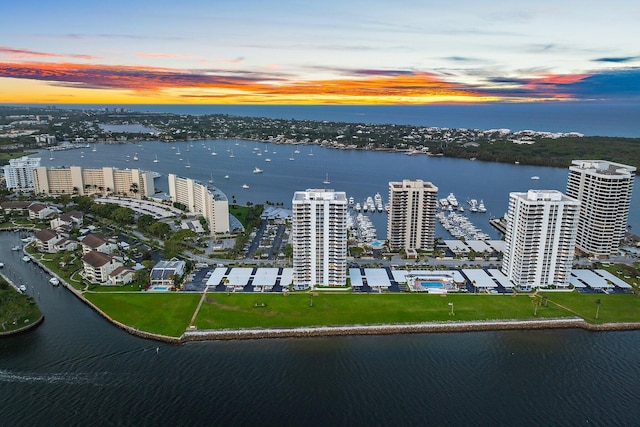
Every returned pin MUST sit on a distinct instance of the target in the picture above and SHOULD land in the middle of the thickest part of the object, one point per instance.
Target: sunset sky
(329, 52)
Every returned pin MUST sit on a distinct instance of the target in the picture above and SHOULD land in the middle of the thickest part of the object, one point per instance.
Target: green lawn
(613, 308)
(222, 311)
(17, 310)
(161, 313)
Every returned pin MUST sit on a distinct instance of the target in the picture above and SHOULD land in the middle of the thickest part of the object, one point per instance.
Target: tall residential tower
(540, 239)
(19, 173)
(319, 236)
(604, 190)
(412, 215)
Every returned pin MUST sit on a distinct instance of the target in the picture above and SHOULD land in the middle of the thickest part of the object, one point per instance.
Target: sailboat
(156, 159)
(257, 170)
(213, 152)
(94, 149)
(211, 179)
(50, 154)
(326, 180)
(311, 151)
(135, 157)
(188, 165)
(231, 155)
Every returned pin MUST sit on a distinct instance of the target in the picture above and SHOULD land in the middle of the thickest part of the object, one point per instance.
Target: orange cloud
(26, 53)
(157, 84)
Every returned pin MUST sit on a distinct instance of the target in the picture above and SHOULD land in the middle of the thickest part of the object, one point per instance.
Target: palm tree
(598, 303)
(134, 188)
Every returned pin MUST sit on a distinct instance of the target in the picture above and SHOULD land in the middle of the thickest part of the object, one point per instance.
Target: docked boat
(357, 207)
(257, 170)
(451, 198)
(351, 201)
(481, 207)
(16, 248)
(22, 288)
(54, 281)
(26, 258)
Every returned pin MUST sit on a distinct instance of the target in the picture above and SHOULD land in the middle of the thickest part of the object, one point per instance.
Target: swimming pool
(159, 288)
(432, 284)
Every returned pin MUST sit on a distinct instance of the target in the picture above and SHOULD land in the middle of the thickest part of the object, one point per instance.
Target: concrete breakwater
(429, 327)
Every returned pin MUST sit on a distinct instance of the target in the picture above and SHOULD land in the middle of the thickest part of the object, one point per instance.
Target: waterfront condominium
(540, 239)
(19, 173)
(319, 237)
(412, 215)
(100, 181)
(604, 190)
(200, 198)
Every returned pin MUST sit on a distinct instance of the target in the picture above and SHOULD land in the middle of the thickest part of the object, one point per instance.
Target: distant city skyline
(347, 52)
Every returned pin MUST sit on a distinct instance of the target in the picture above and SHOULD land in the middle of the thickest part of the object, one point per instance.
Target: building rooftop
(96, 259)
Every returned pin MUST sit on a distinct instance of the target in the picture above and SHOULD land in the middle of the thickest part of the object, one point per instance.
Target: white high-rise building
(319, 235)
(540, 239)
(197, 197)
(19, 173)
(412, 215)
(604, 189)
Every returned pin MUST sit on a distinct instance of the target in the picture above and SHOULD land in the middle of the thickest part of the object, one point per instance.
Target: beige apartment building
(107, 180)
(412, 215)
(199, 198)
(604, 189)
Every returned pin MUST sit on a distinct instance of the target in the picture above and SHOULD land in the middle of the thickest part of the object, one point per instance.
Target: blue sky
(312, 52)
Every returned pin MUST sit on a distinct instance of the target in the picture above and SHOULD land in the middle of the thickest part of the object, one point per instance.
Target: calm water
(77, 369)
(359, 173)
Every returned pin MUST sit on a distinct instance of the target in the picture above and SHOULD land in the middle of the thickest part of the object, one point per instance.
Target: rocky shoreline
(414, 328)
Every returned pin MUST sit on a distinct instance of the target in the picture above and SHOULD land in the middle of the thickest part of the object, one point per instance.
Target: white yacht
(535, 177)
(245, 186)
(481, 207)
(257, 170)
(156, 159)
(451, 198)
(226, 177)
(267, 159)
(351, 200)
(54, 281)
(135, 157)
(26, 258)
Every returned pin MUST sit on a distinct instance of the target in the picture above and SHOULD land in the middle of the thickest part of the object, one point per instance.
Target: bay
(359, 173)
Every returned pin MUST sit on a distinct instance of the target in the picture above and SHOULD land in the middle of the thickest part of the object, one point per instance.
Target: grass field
(161, 313)
(221, 311)
(613, 308)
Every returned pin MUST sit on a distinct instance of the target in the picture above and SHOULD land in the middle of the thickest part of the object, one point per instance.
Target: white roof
(456, 246)
(480, 277)
(591, 279)
(613, 279)
(576, 283)
(287, 277)
(216, 276)
(265, 277)
(377, 277)
(239, 276)
(356, 277)
(479, 245)
(501, 278)
(498, 245)
(399, 276)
